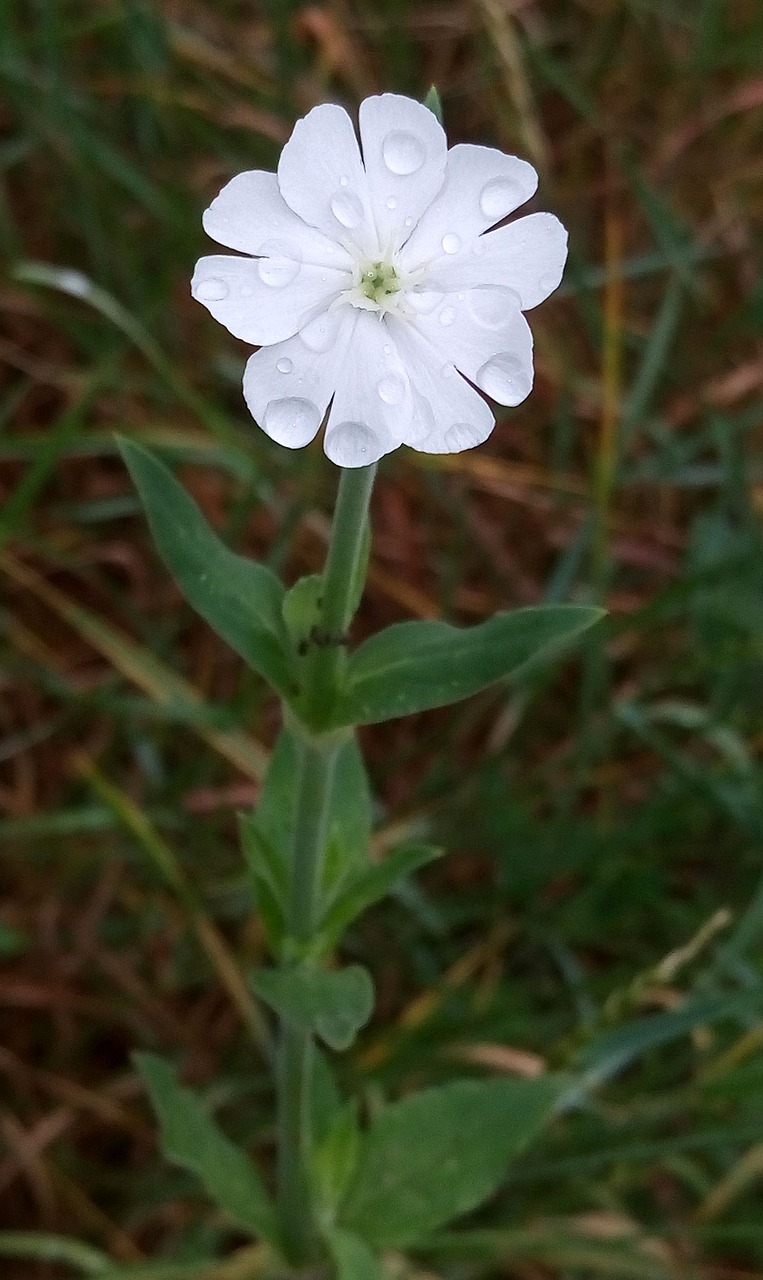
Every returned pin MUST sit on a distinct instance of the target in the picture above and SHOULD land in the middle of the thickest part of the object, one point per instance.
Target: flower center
(379, 283)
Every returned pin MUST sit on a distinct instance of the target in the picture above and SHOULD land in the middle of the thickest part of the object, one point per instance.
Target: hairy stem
(344, 567)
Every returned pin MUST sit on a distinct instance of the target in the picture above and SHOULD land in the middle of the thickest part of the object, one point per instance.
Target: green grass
(598, 819)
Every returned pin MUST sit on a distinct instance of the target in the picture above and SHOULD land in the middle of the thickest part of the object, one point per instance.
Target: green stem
(344, 567)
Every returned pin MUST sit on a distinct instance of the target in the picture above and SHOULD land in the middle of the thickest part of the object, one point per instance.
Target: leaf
(240, 599)
(334, 1004)
(269, 834)
(432, 100)
(413, 666)
(191, 1138)
(372, 882)
(43, 1247)
(334, 1160)
(440, 1153)
(302, 607)
(354, 1260)
(266, 871)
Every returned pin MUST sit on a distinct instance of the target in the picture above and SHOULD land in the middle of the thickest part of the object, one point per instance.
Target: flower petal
(264, 300)
(527, 256)
(287, 387)
(373, 403)
(449, 415)
(322, 178)
(481, 187)
(404, 152)
(250, 215)
(484, 334)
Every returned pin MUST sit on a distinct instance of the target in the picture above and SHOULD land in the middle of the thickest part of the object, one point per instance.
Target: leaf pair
(421, 1163)
(407, 668)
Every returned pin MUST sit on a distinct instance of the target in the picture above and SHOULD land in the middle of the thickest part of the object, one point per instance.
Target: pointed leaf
(413, 666)
(240, 599)
(334, 1004)
(334, 1160)
(354, 1260)
(349, 825)
(191, 1138)
(372, 882)
(440, 1153)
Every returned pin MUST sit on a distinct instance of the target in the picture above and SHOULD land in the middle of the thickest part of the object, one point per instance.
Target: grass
(601, 905)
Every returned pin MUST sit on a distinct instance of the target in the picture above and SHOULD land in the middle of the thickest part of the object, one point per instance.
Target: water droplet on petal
(448, 370)
(447, 315)
(279, 264)
(548, 281)
(292, 422)
(212, 290)
(504, 378)
(451, 243)
(403, 153)
(352, 444)
(320, 334)
(343, 180)
(409, 222)
(392, 203)
(492, 308)
(391, 388)
(462, 435)
(424, 301)
(284, 365)
(347, 209)
(499, 197)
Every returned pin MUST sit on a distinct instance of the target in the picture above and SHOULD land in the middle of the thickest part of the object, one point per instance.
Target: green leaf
(266, 870)
(43, 1247)
(241, 600)
(334, 1160)
(268, 835)
(333, 1003)
(440, 1153)
(434, 103)
(414, 666)
(192, 1139)
(302, 607)
(354, 1260)
(372, 882)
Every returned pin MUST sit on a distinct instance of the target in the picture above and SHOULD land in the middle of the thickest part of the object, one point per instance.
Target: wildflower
(375, 287)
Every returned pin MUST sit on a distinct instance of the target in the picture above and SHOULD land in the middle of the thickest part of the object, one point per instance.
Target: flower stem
(317, 758)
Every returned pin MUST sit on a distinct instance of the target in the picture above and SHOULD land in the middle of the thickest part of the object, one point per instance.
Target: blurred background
(600, 906)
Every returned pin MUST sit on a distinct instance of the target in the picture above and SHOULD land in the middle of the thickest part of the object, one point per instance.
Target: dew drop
(504, 378)
(462, 435)
(352, 444)
(424, 301)
(403, 152)
(343, 180)
(548, 281)
(448, 370)
(292, 422)
(492, 308)
(347, 209)
(447, 315)
(391, 388)
(391, 203)
(320, 334)
(499, 197)
(277, 270)
(409, 222)
(212, 290)
(451, 243)
(284, 365)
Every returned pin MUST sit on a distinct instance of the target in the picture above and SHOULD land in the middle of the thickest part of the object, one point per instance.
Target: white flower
(375, 286)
